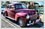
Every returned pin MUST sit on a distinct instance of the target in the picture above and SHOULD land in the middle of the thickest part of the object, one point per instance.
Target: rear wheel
(5, 14)
(21, 22)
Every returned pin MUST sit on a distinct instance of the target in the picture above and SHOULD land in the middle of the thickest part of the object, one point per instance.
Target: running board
(10, 18)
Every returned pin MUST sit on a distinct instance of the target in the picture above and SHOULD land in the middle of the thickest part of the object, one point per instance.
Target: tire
(1, 12)
(21, 22)
(5, 14)
(40, 24)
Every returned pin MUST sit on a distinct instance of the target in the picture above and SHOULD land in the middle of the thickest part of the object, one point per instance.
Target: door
(11, 12)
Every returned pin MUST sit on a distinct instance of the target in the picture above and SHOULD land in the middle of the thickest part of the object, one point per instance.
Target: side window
(7, 6)
(11, 7)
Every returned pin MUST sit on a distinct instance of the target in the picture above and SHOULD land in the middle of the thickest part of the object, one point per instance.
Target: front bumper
(33, 22)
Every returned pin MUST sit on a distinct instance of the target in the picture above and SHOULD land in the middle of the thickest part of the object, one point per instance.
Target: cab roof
(15, 3)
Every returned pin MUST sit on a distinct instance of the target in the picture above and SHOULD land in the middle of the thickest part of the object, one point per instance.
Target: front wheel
(39, 24)
(21, 22)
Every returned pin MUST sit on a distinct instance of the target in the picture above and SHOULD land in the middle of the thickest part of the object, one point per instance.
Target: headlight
(27, 17)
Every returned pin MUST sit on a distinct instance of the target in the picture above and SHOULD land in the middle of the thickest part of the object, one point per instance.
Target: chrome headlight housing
(27, 16)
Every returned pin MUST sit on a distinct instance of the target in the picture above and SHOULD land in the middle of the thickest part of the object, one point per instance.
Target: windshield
(20, 6)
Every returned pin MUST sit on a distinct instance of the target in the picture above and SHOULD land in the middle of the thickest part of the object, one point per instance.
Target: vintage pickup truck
(21, 14)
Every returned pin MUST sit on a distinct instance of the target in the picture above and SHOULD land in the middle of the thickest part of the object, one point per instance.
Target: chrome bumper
(38, 20)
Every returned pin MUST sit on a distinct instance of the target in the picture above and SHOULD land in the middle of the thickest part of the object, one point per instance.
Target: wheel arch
(6, 13)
